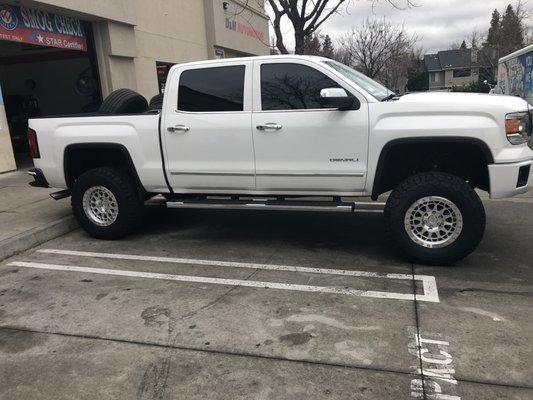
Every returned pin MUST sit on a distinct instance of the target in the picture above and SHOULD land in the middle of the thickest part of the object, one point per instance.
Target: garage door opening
(39, 81)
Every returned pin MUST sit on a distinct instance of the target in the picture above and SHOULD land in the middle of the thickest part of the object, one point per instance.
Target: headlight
(518, 127)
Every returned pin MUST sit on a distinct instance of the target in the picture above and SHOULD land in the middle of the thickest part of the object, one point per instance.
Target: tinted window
(212, 89)
(292, 86)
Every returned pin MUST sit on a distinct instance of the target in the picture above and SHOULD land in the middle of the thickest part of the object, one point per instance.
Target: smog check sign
(41, 28)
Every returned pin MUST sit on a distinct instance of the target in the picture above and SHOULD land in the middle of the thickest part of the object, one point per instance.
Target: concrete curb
(36, 236)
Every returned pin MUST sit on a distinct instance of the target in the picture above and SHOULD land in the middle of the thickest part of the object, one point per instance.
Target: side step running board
(362, 207)
(60, 195)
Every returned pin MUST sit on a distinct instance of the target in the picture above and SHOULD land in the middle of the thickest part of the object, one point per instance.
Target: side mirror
(338, 98)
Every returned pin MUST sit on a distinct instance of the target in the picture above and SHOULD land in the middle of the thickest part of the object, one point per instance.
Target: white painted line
(217, 281)
(428, 282)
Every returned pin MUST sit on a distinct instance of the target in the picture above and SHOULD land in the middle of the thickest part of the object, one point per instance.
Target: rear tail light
(33, 144)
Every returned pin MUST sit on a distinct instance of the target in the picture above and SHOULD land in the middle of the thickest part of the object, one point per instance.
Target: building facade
(64, 56)
(455, 68)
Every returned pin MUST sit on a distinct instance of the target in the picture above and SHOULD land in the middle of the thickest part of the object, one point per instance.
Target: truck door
(206, 128)
(299, 145)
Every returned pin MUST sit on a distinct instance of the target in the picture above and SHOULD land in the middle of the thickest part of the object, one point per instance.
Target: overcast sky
(438, 23)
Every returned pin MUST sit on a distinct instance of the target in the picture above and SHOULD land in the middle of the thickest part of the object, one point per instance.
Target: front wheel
(105, 203)
(434, 218)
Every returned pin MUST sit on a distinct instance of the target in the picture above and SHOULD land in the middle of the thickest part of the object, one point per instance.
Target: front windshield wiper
(392, 96)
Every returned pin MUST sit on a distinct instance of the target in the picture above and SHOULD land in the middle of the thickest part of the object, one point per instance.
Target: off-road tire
(122, 186)
(156, 102)
(443, 185)
(123, 101)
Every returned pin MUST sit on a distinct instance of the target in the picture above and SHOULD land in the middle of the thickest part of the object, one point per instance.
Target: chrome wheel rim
(100, 205)
(433, 222)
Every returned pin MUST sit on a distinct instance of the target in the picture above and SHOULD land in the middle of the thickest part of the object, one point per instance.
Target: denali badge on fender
(343, 160)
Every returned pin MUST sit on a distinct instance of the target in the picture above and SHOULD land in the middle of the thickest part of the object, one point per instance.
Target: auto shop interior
(38, 80)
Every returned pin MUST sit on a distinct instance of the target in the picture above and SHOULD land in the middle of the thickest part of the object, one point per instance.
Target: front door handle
(178, 128)
(269, 127)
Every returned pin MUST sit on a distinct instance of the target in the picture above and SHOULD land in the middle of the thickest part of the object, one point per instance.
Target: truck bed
(138, 134)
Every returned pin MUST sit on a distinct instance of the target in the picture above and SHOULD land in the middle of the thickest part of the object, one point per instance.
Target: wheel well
(467, 159)
(84, 157)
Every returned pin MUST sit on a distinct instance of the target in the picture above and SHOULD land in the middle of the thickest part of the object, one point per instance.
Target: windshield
(375, 89)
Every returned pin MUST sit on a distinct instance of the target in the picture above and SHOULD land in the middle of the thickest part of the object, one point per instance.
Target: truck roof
(269, 57)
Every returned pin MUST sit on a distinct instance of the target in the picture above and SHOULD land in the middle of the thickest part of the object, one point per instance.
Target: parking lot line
(428, 282)
(217, 281)
(430, 295)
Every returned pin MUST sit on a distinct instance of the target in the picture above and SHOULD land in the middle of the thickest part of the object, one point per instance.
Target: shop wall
(7, 160)
(170, 31)
(236, 28)
(114, 10)
(116, 49)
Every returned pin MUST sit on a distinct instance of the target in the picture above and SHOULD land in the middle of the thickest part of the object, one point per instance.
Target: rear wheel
(435, 218)
(105, 203)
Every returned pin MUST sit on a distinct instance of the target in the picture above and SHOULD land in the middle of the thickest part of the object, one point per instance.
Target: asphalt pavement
(259, 305)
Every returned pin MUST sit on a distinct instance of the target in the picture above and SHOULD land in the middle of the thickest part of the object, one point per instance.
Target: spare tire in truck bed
(123, 101)
(156, 103)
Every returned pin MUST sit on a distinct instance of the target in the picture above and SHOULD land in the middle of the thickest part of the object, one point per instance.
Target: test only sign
(41, 28)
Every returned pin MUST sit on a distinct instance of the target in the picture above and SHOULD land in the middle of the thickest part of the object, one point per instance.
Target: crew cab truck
(283, 133)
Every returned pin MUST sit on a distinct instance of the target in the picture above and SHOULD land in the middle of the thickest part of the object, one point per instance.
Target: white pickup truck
(292, 133)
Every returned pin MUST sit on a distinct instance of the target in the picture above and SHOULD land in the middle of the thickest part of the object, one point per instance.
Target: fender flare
(104, 145)
(422, 140)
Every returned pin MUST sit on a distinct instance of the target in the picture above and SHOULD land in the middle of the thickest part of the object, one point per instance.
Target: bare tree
(475, 39)
(524, 11)
(456, 45)
(379, 49)
(306, 16)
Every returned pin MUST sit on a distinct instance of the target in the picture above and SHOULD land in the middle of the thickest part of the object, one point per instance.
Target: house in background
(460, 67)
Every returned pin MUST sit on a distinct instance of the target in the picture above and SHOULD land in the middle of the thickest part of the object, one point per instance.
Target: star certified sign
(35, 26)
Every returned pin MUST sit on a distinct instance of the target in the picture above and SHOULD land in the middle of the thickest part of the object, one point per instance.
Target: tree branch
(314, 25)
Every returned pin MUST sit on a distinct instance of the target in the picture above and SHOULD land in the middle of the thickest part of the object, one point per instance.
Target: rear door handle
(269, 127)
(178, 128)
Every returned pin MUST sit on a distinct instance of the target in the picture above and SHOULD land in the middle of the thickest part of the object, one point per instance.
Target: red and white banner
(41, 28)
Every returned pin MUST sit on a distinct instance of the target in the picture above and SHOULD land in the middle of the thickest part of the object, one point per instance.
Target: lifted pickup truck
(283, 133)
